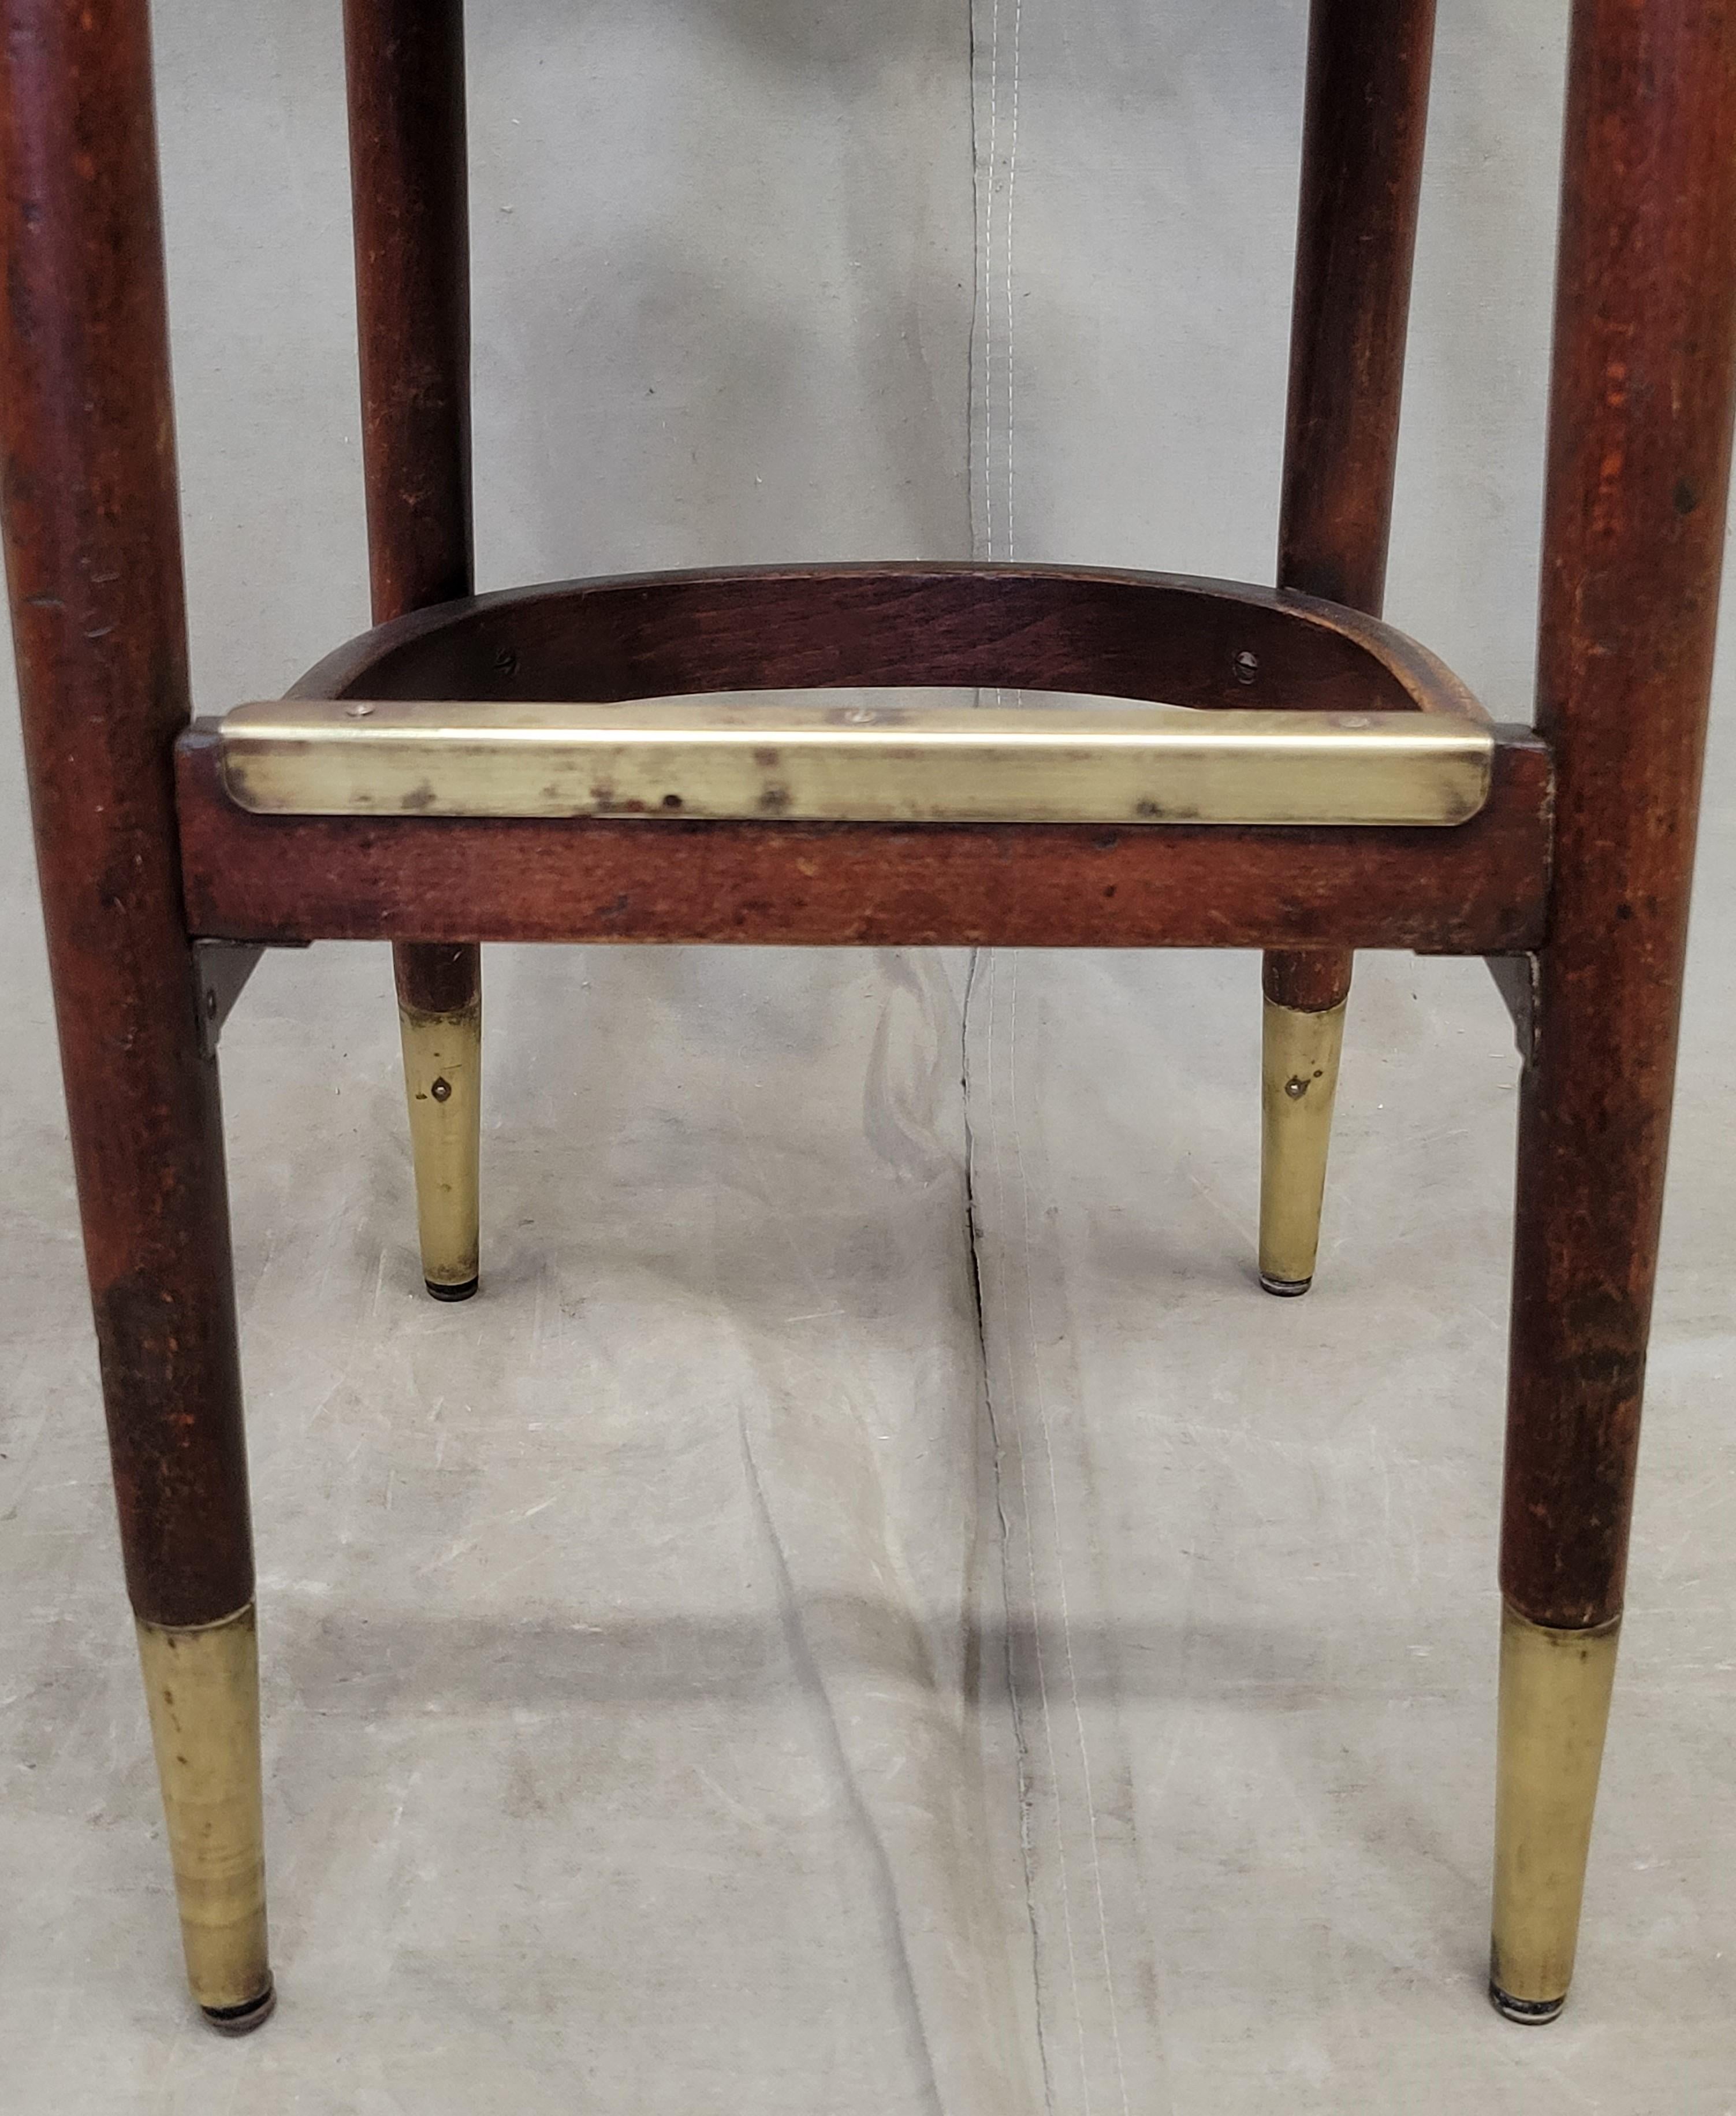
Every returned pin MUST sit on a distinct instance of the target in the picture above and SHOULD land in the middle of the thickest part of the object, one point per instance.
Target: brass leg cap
(1286, 1289)
(1529, 2012)
(243, 2020)
(439, 1292)
(1299, 1074)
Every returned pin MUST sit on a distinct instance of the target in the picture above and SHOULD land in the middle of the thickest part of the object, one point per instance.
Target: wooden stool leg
(405, 73)
(1633, 540)
(1367, 109)
(1304, 1035)
(93, 565)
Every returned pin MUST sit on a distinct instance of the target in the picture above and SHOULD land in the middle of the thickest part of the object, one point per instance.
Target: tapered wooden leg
(439, 993)
(405, 62)
(1633, 540)
(92, 551)
(1299, 1078)
(1367, 109)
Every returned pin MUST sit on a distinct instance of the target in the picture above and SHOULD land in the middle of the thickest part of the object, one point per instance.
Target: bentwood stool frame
(1333, 788)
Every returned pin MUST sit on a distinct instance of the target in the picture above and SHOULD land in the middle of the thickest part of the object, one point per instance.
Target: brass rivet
(1296, 1089)
(442, 1090)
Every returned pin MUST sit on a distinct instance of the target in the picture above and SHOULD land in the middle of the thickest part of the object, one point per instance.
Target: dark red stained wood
(93, 565)
(1180, 640)
(1634, 542)
(1469, 890)
(404, 65)
(439, 979)
(1032, 627)
(1313, 983)
(1366, 113)
(1367, 109)
(409, 182)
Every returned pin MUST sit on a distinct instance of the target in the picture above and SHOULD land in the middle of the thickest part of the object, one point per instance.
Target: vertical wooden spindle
(1367, 109)
(409, 189)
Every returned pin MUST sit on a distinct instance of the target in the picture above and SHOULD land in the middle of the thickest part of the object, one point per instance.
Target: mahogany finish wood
(438, 978)
(1313, 982)
(1638, 483)
(1174, 638)
(1633, 547)
(1198, 643)
(404, 68)
(404, 62)
(93, 547)
(1478, 887)
(1367, 111)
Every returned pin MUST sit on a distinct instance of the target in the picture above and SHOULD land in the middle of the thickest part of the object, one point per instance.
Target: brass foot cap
(243, 2020)
(1286, 1289)
(440, 1292)
(1530, 2013)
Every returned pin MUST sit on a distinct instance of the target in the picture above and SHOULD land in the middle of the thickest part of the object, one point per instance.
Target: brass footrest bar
(1480, 890)
(869, 755)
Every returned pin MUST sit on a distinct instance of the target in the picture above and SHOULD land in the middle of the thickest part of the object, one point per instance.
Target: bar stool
(760, 756)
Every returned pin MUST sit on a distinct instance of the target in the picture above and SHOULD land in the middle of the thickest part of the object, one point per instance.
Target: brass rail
(857, 755)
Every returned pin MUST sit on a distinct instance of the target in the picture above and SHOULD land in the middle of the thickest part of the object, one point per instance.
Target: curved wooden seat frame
(1190, 641)
(1578, 862)
(1479, 888)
